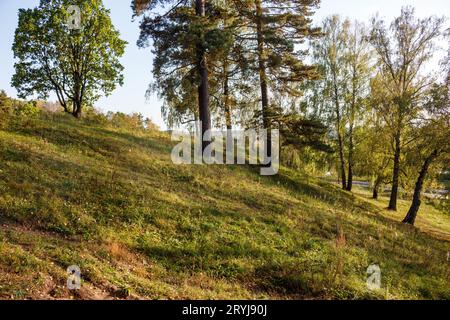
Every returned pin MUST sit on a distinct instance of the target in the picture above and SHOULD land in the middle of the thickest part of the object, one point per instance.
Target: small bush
(5, 109)
(27, 110)
(134, 121)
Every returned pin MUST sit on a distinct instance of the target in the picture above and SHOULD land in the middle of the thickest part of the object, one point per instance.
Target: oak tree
(78, 64)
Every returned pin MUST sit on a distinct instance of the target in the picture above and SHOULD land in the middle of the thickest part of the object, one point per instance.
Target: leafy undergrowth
(110, 201)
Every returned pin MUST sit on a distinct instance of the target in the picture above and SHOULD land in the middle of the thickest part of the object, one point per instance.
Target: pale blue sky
(138, 62)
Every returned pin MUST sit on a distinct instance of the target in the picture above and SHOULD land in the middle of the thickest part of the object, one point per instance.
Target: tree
(202, 68)
(232, 71)
(376, 139)
(403, 49)
(184, 37)
(358, 62)
(344, 59)
(78, 65)
(278, 26)
(433, 137)
(328, 53)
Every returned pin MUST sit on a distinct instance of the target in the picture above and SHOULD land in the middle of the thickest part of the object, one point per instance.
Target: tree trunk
(412, 213)
(350, 159)
(77, 114)
(263, 76)
(197, 128)
(76, 109)
(226, 95)
(376, 187)
(375, 193)
(342, 160)
(351, 124)
(227, 110)
(203, 88)
(338, 130)
(395, 174)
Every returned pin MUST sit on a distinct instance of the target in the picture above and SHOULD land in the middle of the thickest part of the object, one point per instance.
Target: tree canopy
(77, 64)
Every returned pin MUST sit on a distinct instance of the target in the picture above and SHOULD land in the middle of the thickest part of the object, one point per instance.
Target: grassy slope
(112, 202)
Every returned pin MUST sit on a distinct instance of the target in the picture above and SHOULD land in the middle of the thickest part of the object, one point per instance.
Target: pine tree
(274, 30)
(186, 38)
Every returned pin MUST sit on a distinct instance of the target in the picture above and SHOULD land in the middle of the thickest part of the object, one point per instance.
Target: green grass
(110, 201)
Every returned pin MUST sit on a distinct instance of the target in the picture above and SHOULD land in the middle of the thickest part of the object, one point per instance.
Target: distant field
(110, 201)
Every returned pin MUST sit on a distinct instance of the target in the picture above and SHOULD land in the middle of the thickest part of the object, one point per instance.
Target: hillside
(110, 201)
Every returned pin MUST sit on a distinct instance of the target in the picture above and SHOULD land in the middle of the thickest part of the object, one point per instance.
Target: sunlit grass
(111, 201)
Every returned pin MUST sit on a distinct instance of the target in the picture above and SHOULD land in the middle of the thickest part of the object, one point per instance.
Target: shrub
(5, 109)
(27, 109)
(134, 121)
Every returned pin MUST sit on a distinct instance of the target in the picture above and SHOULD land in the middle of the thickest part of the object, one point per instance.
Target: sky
(138, 62)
